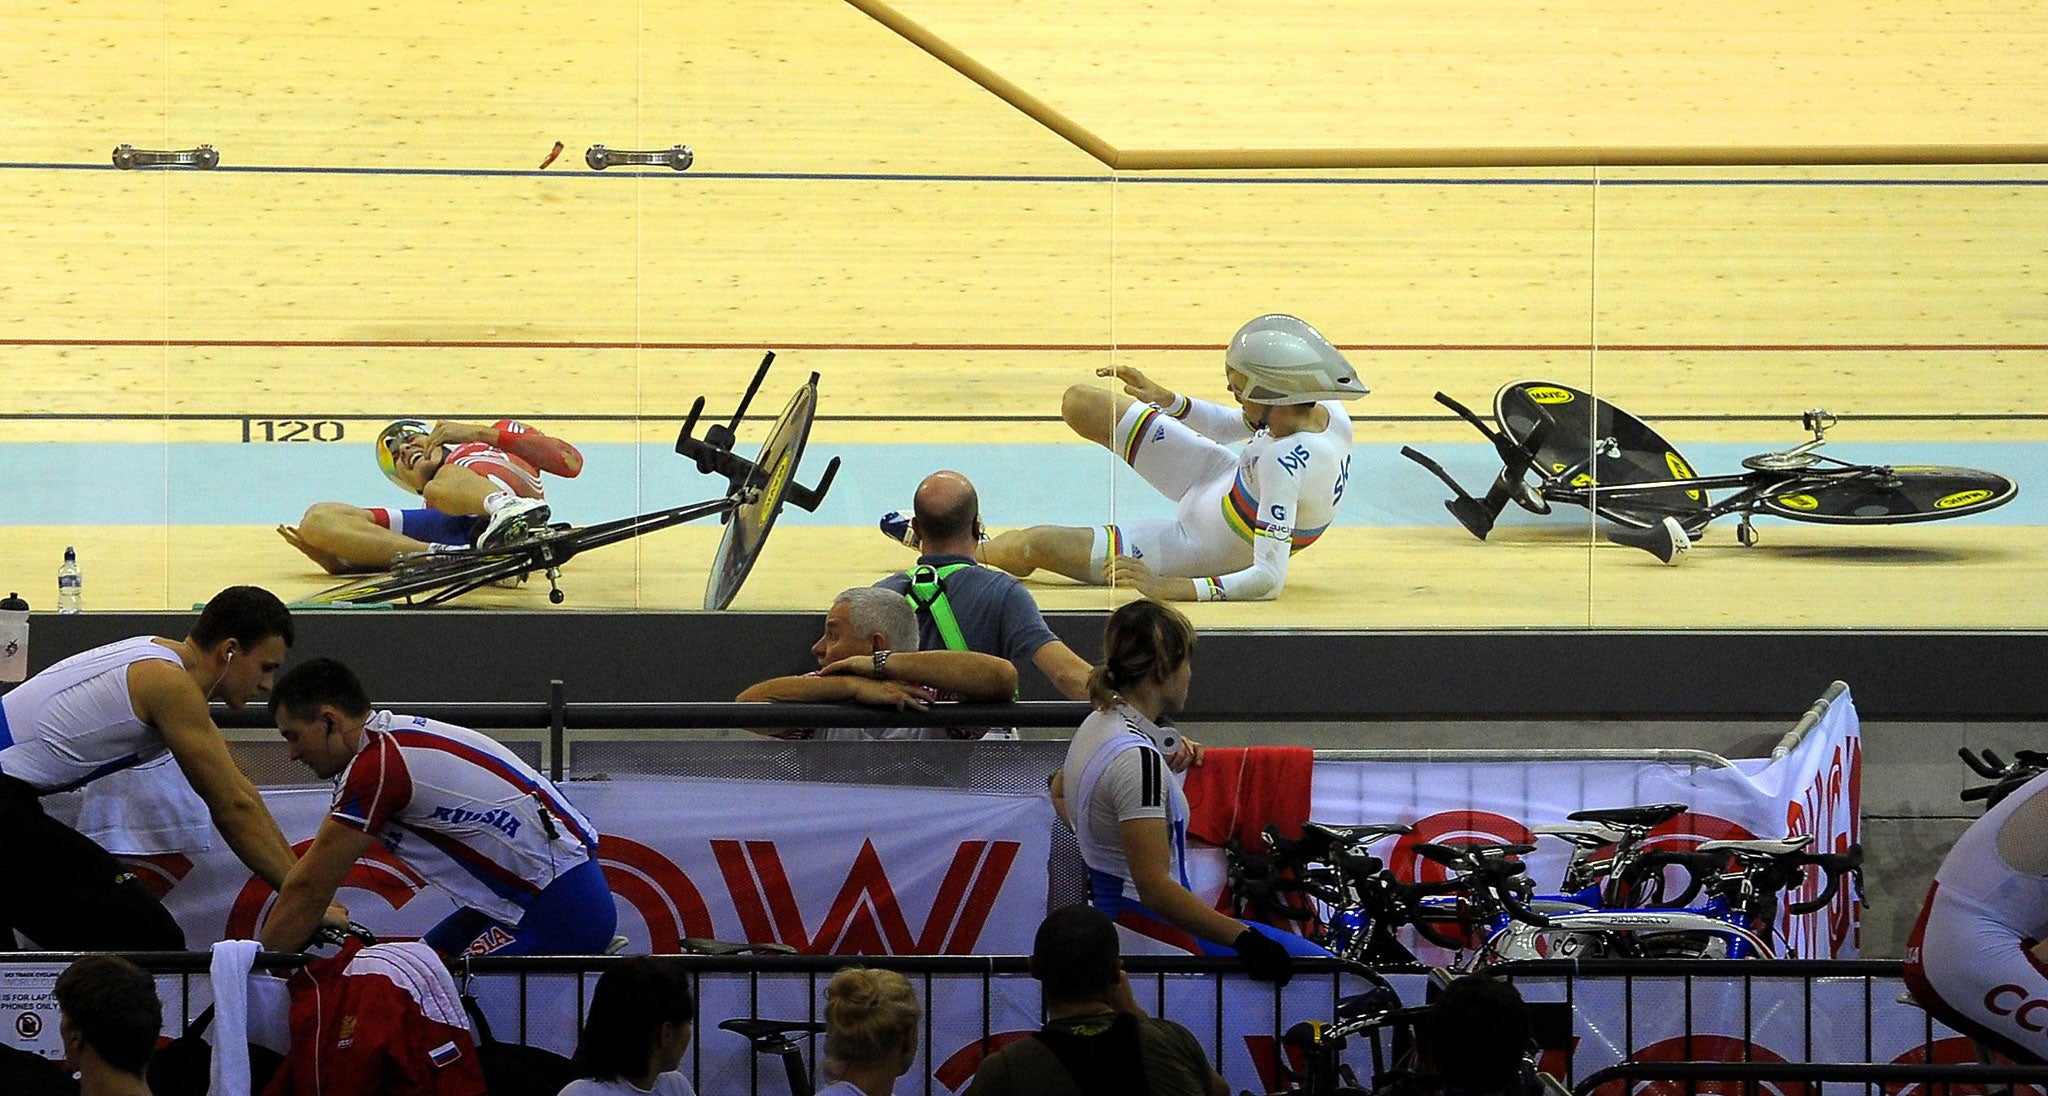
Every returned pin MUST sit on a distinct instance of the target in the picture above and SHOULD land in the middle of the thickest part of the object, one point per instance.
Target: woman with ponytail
(870, 1031)
(1126, 805)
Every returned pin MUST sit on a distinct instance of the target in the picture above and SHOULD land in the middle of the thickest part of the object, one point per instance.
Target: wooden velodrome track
(378, 243)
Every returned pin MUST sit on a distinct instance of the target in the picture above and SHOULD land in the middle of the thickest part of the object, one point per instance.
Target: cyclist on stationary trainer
(1976, 960)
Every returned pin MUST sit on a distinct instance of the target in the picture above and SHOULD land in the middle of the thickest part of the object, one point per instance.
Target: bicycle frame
(755, 493)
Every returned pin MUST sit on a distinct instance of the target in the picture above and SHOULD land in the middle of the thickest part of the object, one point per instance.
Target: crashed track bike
(1584, 451)
(755, 492)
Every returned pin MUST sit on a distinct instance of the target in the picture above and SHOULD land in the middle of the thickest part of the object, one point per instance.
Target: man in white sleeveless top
(112, 708)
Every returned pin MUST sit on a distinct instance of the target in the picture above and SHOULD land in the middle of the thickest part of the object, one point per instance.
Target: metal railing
(1753, 1076)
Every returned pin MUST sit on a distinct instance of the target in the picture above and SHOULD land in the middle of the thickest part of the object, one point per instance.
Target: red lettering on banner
(379, 872)
(1702, 1048)
(1951, 1051)
(158, 872)
(865, 918)
(1557, 1061)
(959, 1067)
(660, 892)
(1264, 1051)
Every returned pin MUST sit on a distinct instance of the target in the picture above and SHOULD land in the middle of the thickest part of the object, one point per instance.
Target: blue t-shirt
(997, 614)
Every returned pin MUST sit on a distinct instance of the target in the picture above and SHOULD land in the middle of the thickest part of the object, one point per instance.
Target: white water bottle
(70, 584)
(13, 639)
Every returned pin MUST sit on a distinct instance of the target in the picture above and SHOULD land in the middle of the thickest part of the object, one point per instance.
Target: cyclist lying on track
(482, 486)
(1240, 516)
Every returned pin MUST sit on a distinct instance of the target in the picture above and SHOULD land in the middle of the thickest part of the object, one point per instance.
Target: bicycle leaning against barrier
(1615, 901)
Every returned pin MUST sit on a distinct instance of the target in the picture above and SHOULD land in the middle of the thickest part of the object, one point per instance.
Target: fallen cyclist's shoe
(896, 526)
(514, 522)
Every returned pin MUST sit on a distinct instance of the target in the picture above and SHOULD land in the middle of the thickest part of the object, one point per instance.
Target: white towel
(232, 960)
(148, 809)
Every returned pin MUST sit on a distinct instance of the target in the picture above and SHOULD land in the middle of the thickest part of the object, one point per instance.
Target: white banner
(1815, 789)
(826, 868)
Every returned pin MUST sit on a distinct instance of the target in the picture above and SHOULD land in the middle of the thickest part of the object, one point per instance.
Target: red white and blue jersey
(463, 811)
(508, 471)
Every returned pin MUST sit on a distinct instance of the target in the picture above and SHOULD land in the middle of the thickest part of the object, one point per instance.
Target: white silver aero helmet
(388, 441)
(1286, 361)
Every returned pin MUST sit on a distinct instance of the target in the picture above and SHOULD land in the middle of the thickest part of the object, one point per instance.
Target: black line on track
(679, 414)
(939, 177)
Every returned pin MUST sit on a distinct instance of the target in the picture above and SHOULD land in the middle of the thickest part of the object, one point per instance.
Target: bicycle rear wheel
(1906, 494)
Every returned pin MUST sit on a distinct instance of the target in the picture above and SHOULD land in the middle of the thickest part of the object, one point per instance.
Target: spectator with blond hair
(871, 1019)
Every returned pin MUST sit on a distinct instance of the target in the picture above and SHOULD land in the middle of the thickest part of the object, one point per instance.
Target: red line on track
(510, 344)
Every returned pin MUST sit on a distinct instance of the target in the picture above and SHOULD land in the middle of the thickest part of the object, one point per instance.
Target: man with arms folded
(869, 655)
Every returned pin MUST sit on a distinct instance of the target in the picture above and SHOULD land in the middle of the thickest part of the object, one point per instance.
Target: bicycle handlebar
(1833, 866)
(2008, 776)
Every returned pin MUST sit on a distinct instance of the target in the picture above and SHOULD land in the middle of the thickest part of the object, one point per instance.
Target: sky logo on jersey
(498, 818)
(1295, 460)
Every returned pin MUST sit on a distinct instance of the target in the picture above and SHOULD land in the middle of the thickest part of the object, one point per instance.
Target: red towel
(1238, 792)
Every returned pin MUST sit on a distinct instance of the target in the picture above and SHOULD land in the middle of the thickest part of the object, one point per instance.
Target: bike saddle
(759, 1031)
(1584, 837)
(698, 945)
(1460, 856)
(1630, 818)
(1377, 1001)
(1768, 846)
(1339, 836)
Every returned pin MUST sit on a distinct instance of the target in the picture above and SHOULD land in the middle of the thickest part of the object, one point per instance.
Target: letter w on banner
(826, 868)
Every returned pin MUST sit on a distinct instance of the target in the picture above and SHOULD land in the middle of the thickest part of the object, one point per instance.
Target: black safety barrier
(525, 978)
(1860, 997)
(1660, 995)
(1754, 1075)
(560, 716)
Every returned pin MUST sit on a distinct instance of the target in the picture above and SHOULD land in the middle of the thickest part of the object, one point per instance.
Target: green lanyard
(928, 595)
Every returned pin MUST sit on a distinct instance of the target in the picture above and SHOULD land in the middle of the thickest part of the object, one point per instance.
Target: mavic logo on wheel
(1680, 470)
(1961, 498)
(1799, 502)
(1549, 395)
(771, 497)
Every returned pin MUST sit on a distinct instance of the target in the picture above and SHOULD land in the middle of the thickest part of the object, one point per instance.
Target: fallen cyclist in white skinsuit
(1240, 516)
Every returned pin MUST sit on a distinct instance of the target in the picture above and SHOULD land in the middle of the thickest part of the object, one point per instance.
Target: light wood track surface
(1322, 74)
(949, 267)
